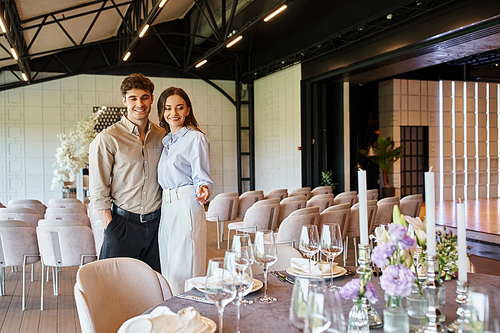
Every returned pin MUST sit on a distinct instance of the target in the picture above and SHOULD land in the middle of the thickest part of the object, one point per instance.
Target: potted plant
(384, 155)
(327, 179)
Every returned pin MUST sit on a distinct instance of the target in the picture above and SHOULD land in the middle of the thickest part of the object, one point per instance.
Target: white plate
(210, 324)
(337, 271)
(257, 284)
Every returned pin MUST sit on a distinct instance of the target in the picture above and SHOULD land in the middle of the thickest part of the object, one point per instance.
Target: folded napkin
(196, 282)
(317, 268)
(163, 320)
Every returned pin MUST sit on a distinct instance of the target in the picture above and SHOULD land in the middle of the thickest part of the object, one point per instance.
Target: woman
(184, 175)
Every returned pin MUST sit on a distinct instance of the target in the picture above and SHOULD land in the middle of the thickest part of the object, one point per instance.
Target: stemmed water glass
(265, 254)
(242, 247)
(331, 246)
(324, 311)
(220, 283)
(309, 242)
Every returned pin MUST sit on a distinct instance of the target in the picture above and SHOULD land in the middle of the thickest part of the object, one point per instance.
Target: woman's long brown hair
(190, 120)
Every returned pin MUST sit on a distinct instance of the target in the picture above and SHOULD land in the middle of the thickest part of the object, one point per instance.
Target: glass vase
(417, 305)
(442, 303)
(358, 319)
(395, 316)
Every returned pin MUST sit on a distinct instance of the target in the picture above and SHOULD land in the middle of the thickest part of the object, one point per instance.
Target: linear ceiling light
(162, 3)
(276, 12)
(144, 30)
(25, 78)
(201, 63)
(234, 41)
(2, 25)
(125, 58)
(14, 54)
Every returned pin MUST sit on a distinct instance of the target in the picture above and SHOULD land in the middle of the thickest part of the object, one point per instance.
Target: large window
(415, 160)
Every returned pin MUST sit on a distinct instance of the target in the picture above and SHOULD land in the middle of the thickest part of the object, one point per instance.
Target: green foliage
(385, 156)
(327, 179)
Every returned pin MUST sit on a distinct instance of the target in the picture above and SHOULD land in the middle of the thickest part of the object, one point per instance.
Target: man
(124, 180)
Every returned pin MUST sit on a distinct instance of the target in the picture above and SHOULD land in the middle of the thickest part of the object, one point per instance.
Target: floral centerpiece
(74, 151)
(392, 255)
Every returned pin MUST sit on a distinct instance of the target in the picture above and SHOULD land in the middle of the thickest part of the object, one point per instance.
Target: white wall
(277, 131)
(31, 118)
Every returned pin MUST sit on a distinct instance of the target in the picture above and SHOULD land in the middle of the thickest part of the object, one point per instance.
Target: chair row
(58, 243)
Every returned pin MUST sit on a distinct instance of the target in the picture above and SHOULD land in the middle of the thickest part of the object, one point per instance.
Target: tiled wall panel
(469, 127)
(31, 118)
(277, 131)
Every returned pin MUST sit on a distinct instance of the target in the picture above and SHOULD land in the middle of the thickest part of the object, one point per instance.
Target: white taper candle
(430, 212)
(461, 243)
(363, 210)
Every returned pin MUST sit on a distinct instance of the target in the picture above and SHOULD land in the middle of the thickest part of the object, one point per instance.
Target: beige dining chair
(261, 216)
(291, 227)
(323, 201)
(18, 247)
(301, 191)
(126, 288)
(290, 204)
(27, 215)
(384, 211)
(63, 243)
(67, 203)
(67, 214)
(410, 205)
(36, 205)
(336, 214)
(277, 194)
(372, 194)
(346, 197)
(223, 208)
(247, 199)
(353, 228)
(321, 190)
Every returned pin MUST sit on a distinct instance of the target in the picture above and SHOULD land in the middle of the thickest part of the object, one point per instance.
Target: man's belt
(137, 217)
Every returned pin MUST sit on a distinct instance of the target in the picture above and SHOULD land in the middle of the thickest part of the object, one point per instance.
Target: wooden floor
(60, 312)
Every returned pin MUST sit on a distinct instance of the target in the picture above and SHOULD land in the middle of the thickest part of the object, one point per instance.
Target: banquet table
(273, 317)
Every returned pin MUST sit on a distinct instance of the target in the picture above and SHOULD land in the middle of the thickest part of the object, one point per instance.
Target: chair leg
(23, 306)
(41, 297)
(222, 231)
(55, 278)
(3, 282)
(218, 235)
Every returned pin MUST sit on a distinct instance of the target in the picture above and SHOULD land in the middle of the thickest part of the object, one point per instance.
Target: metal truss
(363, 29)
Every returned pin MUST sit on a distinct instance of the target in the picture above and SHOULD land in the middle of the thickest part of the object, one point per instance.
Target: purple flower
(396, 231)
(381, 254)
(371, 293)
(350, 290)
(397, 280)
(407, 242)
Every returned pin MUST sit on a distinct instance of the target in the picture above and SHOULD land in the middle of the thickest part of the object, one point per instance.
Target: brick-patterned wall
(31, 118)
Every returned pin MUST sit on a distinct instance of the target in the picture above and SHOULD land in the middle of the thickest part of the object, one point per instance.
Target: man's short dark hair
(136, 81)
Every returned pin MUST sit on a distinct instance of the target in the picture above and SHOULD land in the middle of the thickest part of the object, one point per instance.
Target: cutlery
(278, 276)
(194, 298)
(285, 277)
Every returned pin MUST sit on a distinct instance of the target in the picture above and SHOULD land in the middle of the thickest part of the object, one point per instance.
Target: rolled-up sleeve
(200, 163)
(101, 161)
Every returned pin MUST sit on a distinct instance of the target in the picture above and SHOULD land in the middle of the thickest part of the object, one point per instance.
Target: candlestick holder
(431, 291)
(365, 272)
(462, 322)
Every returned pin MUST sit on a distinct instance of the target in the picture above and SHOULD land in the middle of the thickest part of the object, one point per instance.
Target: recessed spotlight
(389, 16)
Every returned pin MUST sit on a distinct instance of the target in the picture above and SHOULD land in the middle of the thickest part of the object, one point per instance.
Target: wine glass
(242, 245)
(265, 255)
(244, 284)
(309, 242)
(331, 246)
(324, 311)
(220, 283)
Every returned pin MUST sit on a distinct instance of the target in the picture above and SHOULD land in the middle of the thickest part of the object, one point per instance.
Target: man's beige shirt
(123, 170)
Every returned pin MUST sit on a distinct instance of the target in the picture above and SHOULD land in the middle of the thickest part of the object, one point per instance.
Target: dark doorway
(415, 161)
